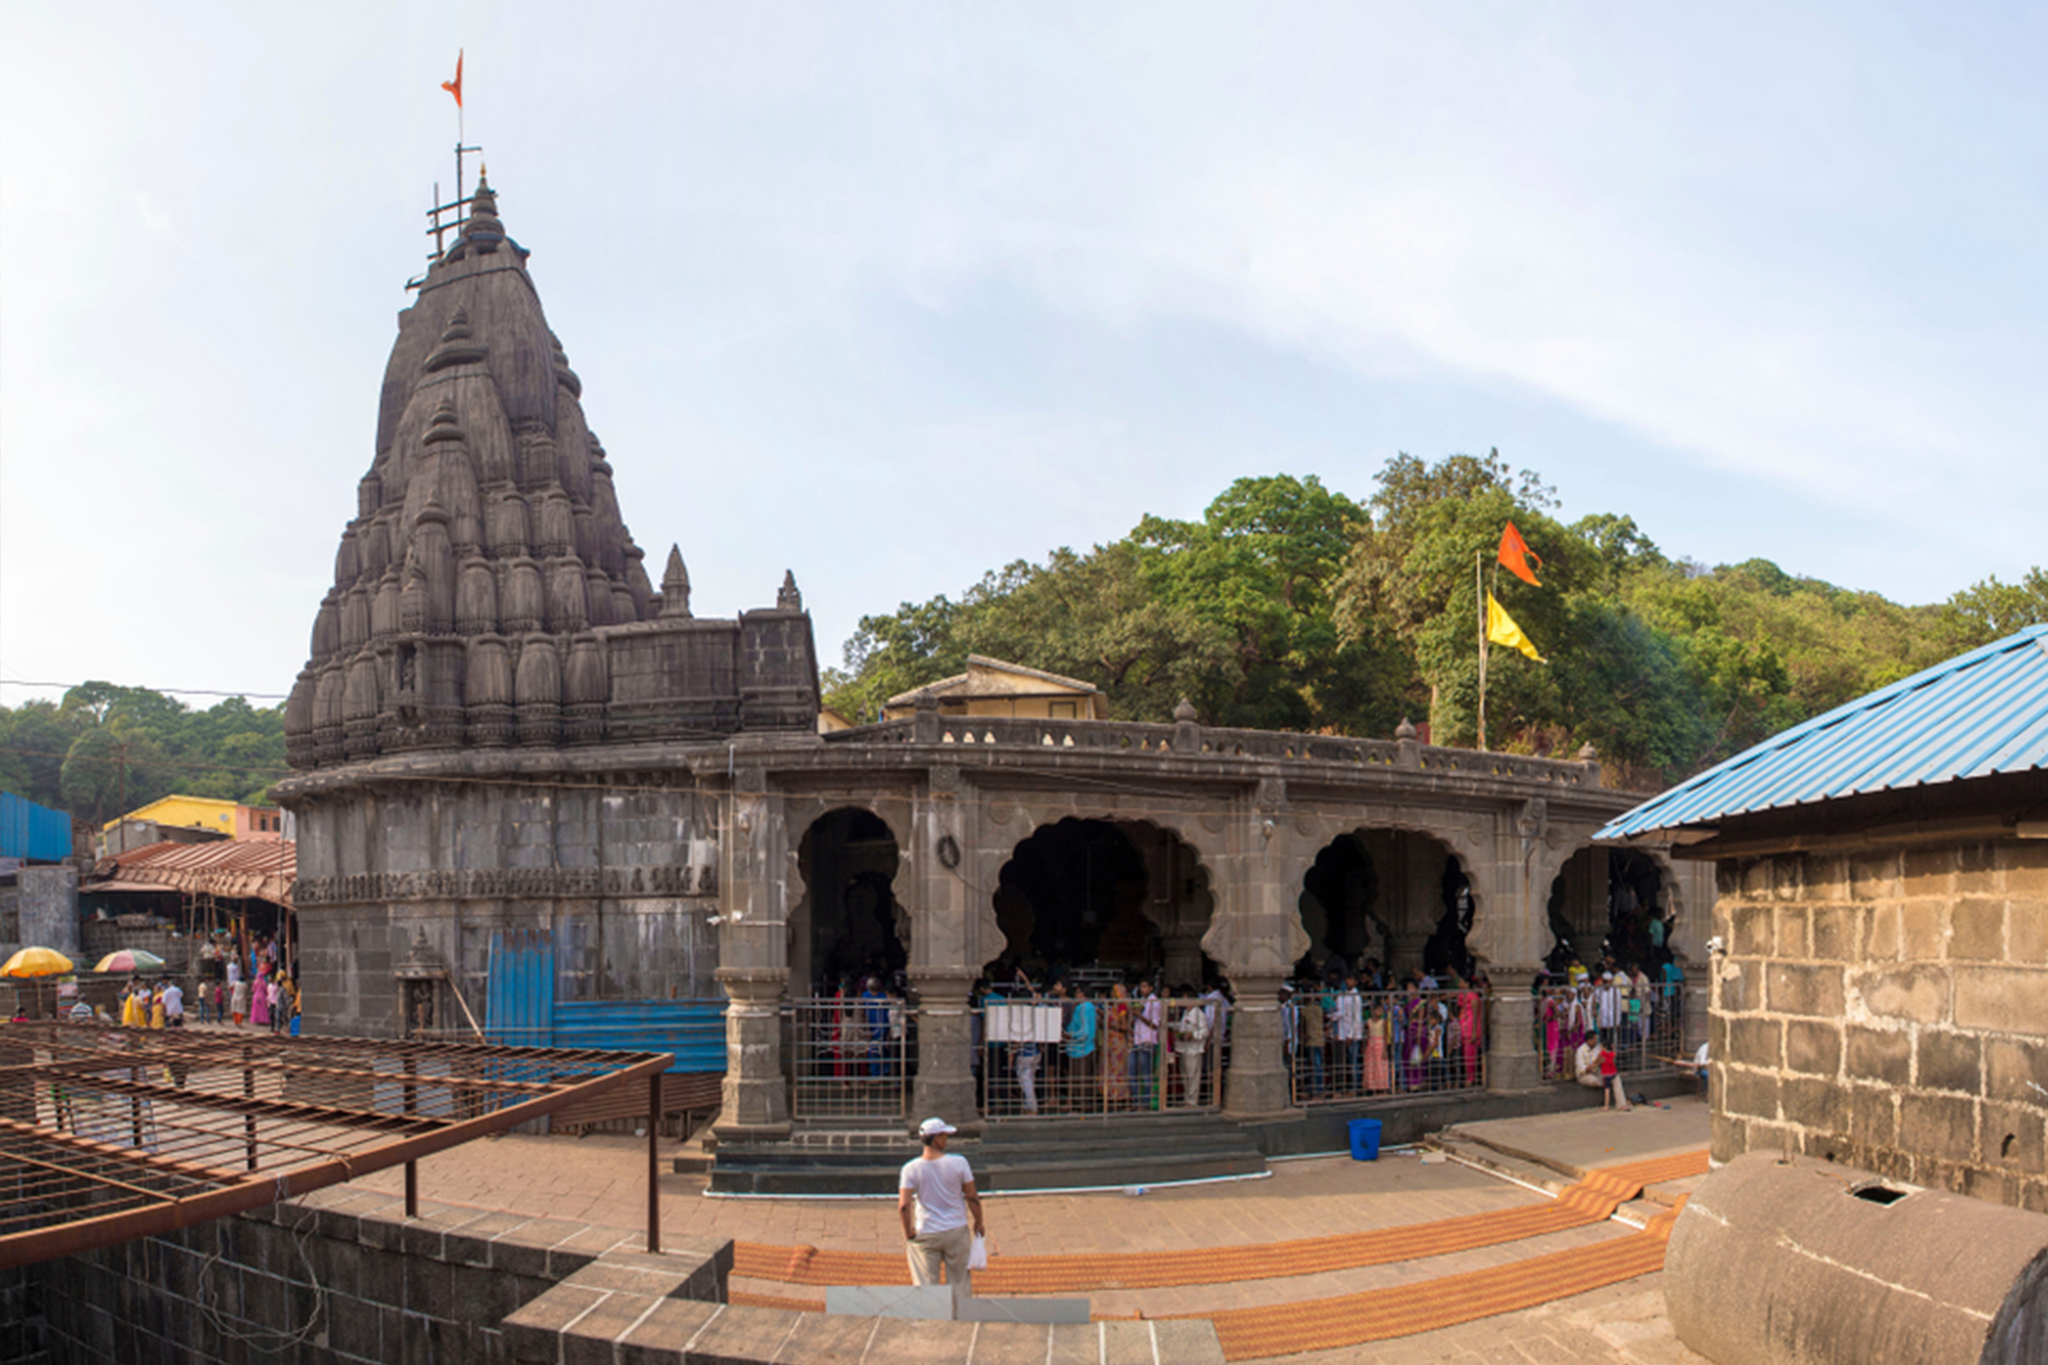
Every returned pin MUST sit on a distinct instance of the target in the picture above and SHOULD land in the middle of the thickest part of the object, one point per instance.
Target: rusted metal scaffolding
(110, 1134)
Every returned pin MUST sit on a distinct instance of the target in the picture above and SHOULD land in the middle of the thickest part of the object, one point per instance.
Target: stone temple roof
(488, 521)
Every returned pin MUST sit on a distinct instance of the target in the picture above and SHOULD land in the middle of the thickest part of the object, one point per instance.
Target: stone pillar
(1183, 945)
(49, 907)
(753, 964)
(1512, 1063)
(755, 1095)
(1255, 1084)
(945, 1041)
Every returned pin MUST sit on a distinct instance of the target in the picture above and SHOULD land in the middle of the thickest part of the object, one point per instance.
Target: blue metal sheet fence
(521, 1009)
(32, 832)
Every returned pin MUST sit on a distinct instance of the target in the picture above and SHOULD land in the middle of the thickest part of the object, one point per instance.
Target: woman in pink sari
(1470, 1031)
(259, 1000)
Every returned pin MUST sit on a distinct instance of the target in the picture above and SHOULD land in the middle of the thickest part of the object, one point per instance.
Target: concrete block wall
(1889, 1010)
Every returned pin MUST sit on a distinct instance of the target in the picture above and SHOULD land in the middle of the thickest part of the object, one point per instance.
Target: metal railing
(1352, 1045)
(851, 1057)
(1043, 1058)
(1640, 1024)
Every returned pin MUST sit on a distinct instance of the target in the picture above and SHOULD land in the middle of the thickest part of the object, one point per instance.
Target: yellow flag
(1502, 630)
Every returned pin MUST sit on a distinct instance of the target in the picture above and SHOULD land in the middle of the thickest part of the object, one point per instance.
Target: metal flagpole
(1479, 590)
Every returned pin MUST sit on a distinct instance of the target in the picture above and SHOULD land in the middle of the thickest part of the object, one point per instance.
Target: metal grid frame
(851, 1057)
(1026, 1068)
(110, 1134)
(1421, 1048)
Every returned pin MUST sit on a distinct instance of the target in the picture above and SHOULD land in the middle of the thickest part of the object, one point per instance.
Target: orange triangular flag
(1515, 555)
(454, 87)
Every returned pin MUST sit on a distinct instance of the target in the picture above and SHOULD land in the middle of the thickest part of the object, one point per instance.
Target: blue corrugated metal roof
(1980, 713)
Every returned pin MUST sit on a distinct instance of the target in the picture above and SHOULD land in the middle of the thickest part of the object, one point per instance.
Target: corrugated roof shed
(264, 869)
(1980, 713)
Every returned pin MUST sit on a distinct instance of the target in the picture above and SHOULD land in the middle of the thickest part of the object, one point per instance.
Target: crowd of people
(1079, 1046)
(1353, 1032)
(1592, 1026)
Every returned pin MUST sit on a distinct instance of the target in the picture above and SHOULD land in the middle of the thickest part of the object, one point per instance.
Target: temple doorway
(849, 925)
(1102, 900)
(1392, 899)
(1611, 902)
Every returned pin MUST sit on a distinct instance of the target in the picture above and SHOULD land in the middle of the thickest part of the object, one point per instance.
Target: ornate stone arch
(1014, 819)
(1469, 835)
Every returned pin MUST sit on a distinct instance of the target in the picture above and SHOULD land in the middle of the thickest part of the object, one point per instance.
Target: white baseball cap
(934, 1127)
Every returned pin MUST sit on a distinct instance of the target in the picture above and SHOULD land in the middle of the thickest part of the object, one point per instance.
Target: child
(1611, 1093)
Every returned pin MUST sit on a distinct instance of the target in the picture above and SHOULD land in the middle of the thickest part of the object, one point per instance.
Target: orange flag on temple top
(454, 88)
(1515, 554)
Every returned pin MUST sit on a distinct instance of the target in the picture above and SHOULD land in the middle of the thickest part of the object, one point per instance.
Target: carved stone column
(755, 1095)
(1512, 1062)
(945, 1039)
(1255, 1083)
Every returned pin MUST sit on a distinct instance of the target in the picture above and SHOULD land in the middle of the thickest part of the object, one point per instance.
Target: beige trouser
(928, 1250)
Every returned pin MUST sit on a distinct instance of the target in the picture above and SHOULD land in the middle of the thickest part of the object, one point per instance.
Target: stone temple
(534, 789)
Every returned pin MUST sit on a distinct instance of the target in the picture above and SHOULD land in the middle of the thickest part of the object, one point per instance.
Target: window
(1061, 710)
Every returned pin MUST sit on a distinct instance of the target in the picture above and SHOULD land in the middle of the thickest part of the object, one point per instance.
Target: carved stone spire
(675, 585)
(787, 598)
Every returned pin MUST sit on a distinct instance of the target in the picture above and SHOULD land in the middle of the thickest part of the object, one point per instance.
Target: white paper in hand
(977, 1255)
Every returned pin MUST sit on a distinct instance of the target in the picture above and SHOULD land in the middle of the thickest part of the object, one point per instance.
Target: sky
(892, 295)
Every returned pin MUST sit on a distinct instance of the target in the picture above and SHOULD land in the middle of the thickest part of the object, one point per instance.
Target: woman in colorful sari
(1470, 1031)
(259, 1003)
(1116, 1048)
(1415, 1027)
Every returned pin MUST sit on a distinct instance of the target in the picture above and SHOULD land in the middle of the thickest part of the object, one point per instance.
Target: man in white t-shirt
(935, 1196)
(174, 1006)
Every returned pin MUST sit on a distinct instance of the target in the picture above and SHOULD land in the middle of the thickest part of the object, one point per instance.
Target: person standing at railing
(1350, 1035)
(1145, 1046)
(1117, 1021)
(875, 1011)
(1083, 1088)
(1471, 1030)
(1378, 1078)
(1190, 1044)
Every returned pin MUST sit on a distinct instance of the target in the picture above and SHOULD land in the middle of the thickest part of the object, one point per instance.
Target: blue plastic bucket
(1365, 1139)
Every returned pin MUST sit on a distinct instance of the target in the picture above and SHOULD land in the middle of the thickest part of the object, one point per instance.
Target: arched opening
(849, 925)
(1104, 900)
(1610, 903)
(1392, 900)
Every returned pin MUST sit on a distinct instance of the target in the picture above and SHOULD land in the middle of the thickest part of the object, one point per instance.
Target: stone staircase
(1007, 1157)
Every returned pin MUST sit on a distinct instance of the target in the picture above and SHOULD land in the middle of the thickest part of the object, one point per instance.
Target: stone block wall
(1889, 1010)
(339, 1278)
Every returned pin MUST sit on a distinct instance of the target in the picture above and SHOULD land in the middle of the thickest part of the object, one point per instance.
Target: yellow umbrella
(36, 962)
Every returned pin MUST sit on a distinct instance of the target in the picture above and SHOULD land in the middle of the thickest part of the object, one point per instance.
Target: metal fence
(851, 1057)
(1641, 1024)
(1350, 1045)
(1043, 1058)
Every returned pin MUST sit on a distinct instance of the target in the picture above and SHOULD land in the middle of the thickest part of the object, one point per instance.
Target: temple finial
(787, 598)
(675, 585)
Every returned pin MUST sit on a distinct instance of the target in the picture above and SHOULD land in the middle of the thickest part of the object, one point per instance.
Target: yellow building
(229, 819)
(991, 687)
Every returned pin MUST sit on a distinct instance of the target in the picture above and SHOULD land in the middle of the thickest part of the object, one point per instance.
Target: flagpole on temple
(1479, 595)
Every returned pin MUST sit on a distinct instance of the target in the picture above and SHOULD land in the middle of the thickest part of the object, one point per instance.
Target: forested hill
(104, 749)
(1290, 606)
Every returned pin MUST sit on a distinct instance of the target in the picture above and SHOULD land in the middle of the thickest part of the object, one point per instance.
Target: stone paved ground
(600, 1179)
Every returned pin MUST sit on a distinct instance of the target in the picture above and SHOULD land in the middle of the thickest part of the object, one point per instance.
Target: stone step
(1512, 1165)
(1085, 1154)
